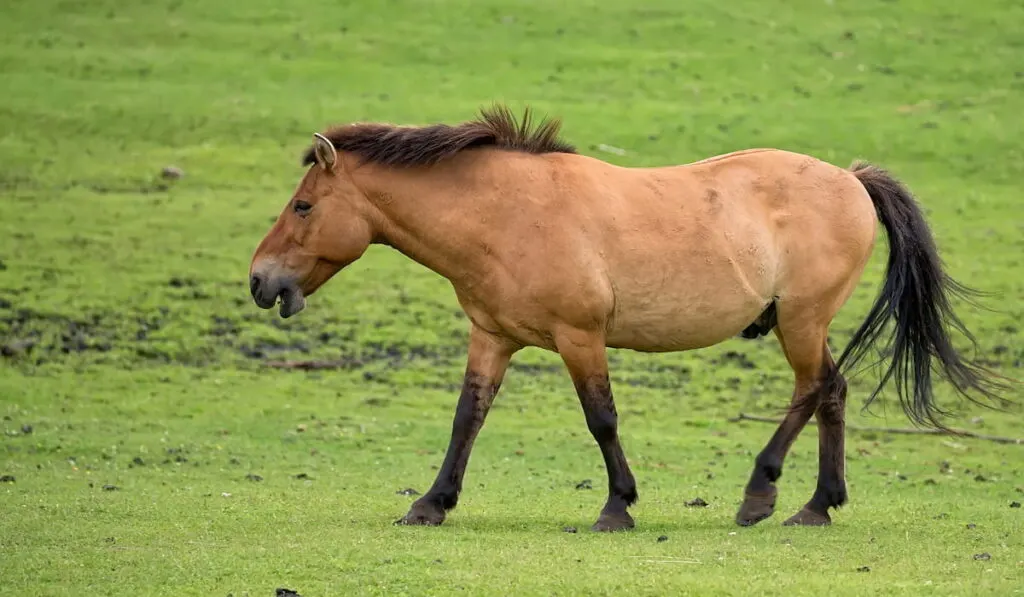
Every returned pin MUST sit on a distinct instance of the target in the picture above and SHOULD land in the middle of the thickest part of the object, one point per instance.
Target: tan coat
(548, 248)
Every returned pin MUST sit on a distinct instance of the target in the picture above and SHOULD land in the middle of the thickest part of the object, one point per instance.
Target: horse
(549, 248)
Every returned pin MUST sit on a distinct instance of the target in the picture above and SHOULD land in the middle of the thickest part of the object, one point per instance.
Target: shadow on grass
(460, 524)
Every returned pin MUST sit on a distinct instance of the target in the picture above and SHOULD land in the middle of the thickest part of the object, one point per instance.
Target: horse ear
(324, 150)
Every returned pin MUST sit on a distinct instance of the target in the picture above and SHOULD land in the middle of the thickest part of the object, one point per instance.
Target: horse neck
(431, 215)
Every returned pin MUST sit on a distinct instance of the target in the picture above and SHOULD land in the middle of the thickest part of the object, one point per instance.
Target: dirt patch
(187, 289)
(306, 365)
(266, 348)
(139, 186)
(390, 356)
(17, 348)
(223, 326)
(654, 383)
(535, 369)
(32, 337)
(737, 358)
(129, 188)
(30, 333)
(176, 455)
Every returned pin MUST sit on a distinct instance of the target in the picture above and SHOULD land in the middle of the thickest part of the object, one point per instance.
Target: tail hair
(916, 301)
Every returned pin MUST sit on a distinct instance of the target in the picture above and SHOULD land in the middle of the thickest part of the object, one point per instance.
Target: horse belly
(661, 310)
(683, 328)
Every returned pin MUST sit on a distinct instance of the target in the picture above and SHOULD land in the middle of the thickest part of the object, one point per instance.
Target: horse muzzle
(267, 291)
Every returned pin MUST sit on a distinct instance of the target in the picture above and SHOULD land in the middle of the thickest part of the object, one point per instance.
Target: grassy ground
(153, 452)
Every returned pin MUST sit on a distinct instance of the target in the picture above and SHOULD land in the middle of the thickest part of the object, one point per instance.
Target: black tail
(916, 295)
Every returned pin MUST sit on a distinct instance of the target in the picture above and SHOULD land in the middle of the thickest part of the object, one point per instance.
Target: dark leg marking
(830, 491)
(760, 494)
(595, 395)
(474, 402)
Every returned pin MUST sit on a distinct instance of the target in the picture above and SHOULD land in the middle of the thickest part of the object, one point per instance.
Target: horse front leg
(488, 359)
(585, 356)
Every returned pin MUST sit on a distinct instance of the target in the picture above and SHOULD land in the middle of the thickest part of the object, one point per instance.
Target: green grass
(137, 359)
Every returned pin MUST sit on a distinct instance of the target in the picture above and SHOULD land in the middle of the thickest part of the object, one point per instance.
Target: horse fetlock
(839, 498)
(831, 495)
(770, 466)
(626, 494)
(447, 501)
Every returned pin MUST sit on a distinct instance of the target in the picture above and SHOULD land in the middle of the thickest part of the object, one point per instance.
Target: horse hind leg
(830, 491)
(805, 349)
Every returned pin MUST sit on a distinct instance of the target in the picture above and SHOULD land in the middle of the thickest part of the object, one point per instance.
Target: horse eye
(302, 208)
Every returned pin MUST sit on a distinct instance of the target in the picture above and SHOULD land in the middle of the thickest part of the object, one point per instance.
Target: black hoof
(808, 518)
(756, 507)
(609, 523)
(423, 514)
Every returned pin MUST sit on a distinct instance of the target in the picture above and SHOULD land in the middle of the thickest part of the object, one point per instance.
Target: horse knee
(770, 465)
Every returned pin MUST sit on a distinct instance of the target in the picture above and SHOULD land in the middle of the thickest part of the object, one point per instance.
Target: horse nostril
(254, 284)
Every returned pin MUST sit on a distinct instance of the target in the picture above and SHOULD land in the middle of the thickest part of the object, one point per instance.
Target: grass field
(147, 448)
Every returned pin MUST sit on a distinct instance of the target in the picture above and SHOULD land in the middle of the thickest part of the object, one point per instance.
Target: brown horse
(552, 249)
